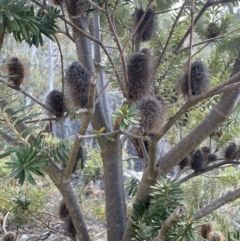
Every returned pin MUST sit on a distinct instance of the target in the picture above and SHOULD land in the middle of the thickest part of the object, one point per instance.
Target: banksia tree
(9, 236)
(205, 230)
(152, 113)
(197, 160)
(63, 211)
(54, 100)
(146, 28)
(230, 150)
(140, 66)
(77, 84)
(16, 67)
(199, 79)
(69, 227)
(184, 163)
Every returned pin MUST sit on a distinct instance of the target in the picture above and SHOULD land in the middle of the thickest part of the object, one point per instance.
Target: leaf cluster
(127, 116)
(25, 24)
(26, 161)
(149, 216)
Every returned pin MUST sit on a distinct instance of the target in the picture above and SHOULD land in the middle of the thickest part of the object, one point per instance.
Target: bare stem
(190, 49)
(82, 130)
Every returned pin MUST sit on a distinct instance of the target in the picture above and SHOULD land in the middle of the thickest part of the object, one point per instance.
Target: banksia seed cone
(216, 236)
(184, 163)
(199, 79)
(16, 67)
(77, 84)
(205, 230)
(9, 236)
(211, 157)
(152, 114)
(69, 227)
(205, 150)
(63, 211)
(54, 100)
(145, 29)
(197, 160)
(140, 66)
(212, 30)
(230, 149)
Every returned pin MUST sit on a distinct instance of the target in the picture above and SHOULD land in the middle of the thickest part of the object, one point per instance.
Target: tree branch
(229, 197)
(85, 123)
(190, 49)
(26, 94)
(196, 99)
(170, 36)
(208, 4)
(175, 216)
(210, 40)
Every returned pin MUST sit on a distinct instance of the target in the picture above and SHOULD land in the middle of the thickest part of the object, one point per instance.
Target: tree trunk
(111, 151)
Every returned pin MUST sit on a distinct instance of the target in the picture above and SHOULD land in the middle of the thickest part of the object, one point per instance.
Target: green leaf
(15, 173)
(31, 180)
(109, 138)
(1, 17)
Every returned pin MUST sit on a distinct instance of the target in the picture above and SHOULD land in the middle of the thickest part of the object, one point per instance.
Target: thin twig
(82, 130)
(62, 67)
(208, 4)
(4, 222)
(144, 151)
(210, 40)
(122, 51)
(196, 99)
(190, 49)
(170, 36)
(98, 135)
(26, 94)
(167, 11)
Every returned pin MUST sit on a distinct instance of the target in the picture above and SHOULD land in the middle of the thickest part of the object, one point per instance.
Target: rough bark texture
(114, 191)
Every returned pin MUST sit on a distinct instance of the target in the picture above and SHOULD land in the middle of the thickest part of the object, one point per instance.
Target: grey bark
(99, 69)
(111, 151)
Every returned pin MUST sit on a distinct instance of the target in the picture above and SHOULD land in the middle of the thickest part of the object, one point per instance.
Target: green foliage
(93, 169)
(20, 19)
(131, 186)
(20, 201)
(25, 161)
(149, 216)
(127, 116)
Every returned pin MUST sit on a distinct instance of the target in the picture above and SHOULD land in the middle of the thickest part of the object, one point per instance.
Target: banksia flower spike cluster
(69, 227)
(16, 67)
(146, 28)
(208, 233)
(54, 100)
(230, 150)
(63, 211)
(77, 84)
(140, 66)
(152, 114)
(197, 160)
(216, 236)
(212, 30)
(199, 79)
(205, 230)
(9, 236)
